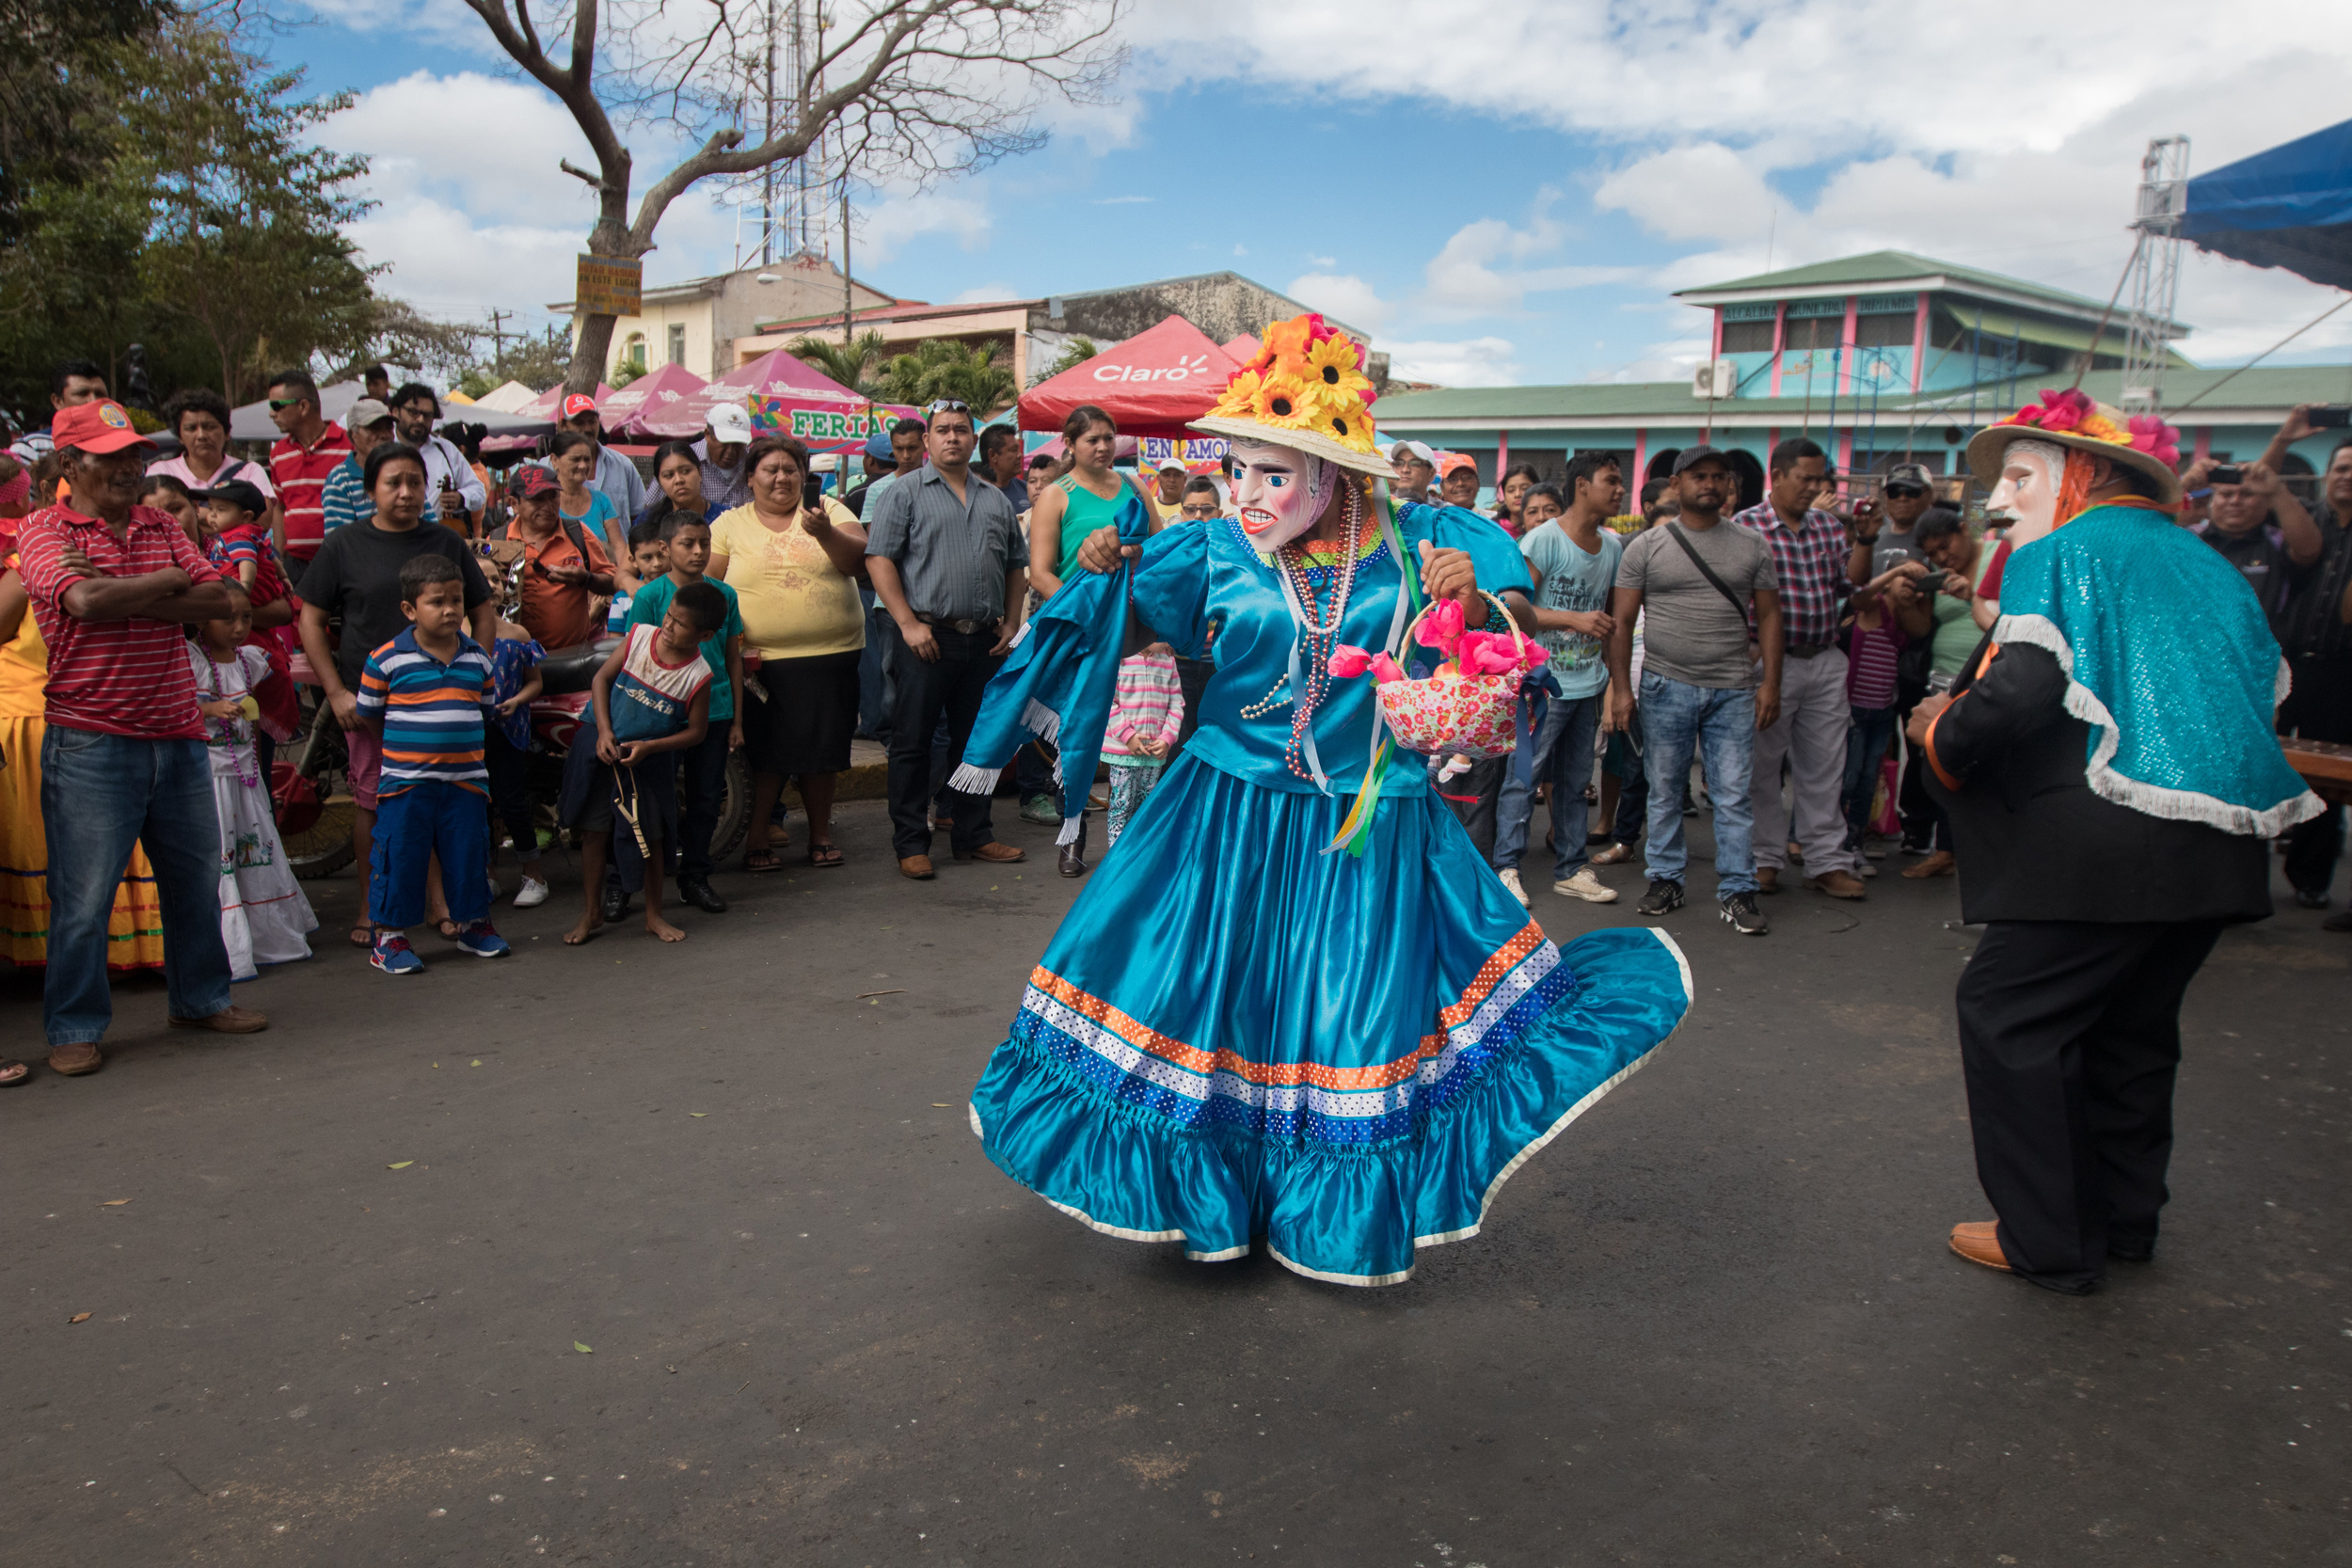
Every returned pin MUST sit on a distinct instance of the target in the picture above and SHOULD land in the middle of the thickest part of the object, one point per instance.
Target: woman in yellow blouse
(135, 930)
(795, 570)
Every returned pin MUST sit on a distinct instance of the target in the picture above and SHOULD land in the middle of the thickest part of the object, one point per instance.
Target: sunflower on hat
(2070, 419)
(1306, 388)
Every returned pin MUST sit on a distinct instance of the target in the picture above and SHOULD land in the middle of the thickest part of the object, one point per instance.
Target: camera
(2226, 474)
(2327, 418)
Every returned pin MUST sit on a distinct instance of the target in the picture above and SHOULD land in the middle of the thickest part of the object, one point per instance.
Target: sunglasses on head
(1905, 491)
(278, 405)
(946, 405)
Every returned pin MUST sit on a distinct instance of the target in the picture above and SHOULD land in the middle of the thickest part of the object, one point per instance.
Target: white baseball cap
(1420, 449)
(731, 422)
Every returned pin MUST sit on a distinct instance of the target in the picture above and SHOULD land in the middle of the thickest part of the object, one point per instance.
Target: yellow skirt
(135, 931)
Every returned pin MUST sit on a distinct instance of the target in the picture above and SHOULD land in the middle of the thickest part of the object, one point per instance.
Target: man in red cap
(615, 475)
(124, 758)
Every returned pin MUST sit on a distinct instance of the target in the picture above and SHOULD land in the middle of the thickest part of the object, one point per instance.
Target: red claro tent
(1154, 384)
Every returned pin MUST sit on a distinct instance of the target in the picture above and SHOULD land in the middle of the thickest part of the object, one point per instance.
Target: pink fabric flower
(1384, 669)
(2060, 411)
(1347, 662)
(2159, 441)
(1442, 628)
(1483, 653)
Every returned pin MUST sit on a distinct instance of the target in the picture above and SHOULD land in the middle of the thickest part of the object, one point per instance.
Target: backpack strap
(1675, 531)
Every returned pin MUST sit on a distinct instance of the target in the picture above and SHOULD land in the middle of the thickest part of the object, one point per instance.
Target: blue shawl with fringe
(2179, 724)
(1058, 683)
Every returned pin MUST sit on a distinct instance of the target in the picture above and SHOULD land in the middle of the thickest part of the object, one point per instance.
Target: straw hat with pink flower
(2071, 420)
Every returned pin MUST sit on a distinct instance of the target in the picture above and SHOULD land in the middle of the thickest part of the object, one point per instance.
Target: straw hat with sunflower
(2073, 420)
(1306, 389)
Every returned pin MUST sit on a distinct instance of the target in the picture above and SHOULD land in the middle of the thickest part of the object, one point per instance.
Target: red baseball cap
(576, 404)
(531, 481)
(99, 426)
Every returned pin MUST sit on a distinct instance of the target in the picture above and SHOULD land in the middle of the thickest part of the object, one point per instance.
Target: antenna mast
(2155, 282)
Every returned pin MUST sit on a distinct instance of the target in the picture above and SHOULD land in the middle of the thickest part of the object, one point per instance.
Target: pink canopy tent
(630, 411)
(1156, 383)
(1243, 349)
(785, 397)
(549, 405)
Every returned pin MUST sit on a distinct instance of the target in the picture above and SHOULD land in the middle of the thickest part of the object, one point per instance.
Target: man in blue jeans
(124, 758)
(1705, 685)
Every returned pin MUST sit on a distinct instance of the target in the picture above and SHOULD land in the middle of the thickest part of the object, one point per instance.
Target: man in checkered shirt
(1809, 554)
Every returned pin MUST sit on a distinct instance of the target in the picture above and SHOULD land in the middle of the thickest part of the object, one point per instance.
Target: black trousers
(2318, 708)
(1474, 797)
(2070, 1036)
(921, 695)
(702, 791)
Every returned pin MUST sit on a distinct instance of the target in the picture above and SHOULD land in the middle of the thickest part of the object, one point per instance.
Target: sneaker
(1868, 871)
(1664, 897)
(481, 941)
(1511, 879)
(1616, 854)
(533, 893)
(1914, 848)
(393, 956)
(495, 888)
(1741, 913)
(1874, 849)
(1043, 810)
(1587, 886)
(2308, 898)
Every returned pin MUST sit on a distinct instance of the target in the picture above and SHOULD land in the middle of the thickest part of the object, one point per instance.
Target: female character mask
(1279, 492)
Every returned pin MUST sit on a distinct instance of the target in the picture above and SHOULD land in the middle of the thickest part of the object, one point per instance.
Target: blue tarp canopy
(2290, 207)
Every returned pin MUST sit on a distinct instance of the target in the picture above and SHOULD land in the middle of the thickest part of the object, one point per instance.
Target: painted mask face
(1279, 493)
(2031, 473)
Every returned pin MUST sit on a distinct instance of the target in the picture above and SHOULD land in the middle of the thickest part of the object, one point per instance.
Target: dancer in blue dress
(1266, 1016)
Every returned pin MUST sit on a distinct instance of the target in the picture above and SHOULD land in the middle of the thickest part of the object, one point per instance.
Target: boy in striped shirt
(424, 691)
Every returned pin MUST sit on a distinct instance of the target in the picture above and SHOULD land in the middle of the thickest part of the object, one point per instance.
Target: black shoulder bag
(1675, 531)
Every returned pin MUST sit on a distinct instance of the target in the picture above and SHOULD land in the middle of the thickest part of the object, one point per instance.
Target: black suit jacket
(2010, 764)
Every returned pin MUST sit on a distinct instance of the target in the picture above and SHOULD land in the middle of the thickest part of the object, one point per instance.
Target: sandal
(363, 935)
(13, 1072)
(449, 929)
(760, 861)
(826, 855)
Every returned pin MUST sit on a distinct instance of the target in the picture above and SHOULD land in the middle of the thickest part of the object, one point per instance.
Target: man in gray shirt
(1882, 534)
(1703, 684)
(951, 566)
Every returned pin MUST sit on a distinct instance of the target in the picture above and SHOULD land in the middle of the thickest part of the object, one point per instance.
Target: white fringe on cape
(1045, 725)
(2177, 805)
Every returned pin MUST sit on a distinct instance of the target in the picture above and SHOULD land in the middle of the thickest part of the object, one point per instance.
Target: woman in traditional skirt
(1272, 1015)
(135, 931)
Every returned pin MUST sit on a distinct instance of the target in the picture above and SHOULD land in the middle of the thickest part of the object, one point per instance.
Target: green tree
(943, 368)
(245, 239)
(1076, 351)
(850, 364)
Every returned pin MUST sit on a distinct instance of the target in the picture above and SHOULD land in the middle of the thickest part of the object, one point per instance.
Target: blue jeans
(1676, 720)
(100, 794)
(1564, 758)
(434, 817)
(1865, 746)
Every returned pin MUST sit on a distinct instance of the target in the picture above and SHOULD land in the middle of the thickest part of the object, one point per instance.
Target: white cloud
(1470, 362)
(1344, 297)
(1123, 200)
(988, 294)
(886, 226)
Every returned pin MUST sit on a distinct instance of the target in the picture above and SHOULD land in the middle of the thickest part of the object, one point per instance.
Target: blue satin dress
(1235, 1035)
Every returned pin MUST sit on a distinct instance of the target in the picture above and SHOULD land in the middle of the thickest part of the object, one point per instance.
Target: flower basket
(1454, 713)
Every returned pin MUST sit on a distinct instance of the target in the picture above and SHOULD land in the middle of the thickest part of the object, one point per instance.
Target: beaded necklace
(1308, 678)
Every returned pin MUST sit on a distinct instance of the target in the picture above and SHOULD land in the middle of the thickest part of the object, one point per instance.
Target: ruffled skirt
(1235, 1036)
(264, 918)
(134, 927)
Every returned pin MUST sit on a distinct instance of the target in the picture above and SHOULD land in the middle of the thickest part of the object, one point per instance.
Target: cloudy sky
(1499, 191)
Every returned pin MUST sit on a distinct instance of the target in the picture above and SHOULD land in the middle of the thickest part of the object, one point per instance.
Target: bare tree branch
(899, 91)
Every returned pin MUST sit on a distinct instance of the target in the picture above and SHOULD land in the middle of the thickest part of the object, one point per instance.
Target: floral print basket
(1455, 713)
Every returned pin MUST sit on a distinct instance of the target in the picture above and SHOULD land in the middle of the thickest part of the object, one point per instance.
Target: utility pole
(847, 296)
(498, 341)
(768, 175)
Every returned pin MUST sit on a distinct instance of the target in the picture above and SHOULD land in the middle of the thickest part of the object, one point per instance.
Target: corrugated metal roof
(1890, 266)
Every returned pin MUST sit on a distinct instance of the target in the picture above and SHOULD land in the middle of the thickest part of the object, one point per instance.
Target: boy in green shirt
(706, 766)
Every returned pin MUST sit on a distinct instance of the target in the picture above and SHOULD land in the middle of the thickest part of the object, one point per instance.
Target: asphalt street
(638, 1255)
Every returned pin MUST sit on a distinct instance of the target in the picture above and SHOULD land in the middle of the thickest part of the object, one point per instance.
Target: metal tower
(2155, 282)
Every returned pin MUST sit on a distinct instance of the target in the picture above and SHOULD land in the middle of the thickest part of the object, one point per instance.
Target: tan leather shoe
(74, 1060)
(230, 1019)
(995, 854)
(1977, 1241)
(1941, 863)
(1838, 884)
(1768, 878)
(918, 866)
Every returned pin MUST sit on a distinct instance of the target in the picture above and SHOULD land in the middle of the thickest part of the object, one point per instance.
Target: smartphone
(2226, 474)
(2328, 418)
(1934, 580)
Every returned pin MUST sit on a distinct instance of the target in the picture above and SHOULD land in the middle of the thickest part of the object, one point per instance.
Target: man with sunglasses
(1881, 535)
(310, 448)
(949, 564)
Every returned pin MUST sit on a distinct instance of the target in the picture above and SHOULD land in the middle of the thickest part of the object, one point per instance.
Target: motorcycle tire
(315, 828)
(735, 810)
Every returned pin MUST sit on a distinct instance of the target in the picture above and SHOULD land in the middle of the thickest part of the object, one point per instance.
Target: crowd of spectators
(1754, 664)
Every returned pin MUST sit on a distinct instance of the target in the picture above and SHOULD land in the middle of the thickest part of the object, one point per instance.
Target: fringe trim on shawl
(969, 780)
(1042, 721)
(2175, 805)
(1070, 827)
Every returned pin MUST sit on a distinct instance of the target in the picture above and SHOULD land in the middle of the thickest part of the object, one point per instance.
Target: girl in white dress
(264, 916)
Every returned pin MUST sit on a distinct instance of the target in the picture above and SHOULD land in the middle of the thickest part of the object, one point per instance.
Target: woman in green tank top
(1082, 500)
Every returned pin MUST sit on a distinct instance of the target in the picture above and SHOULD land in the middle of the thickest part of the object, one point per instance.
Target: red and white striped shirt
(300, 473)
(121, 678)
